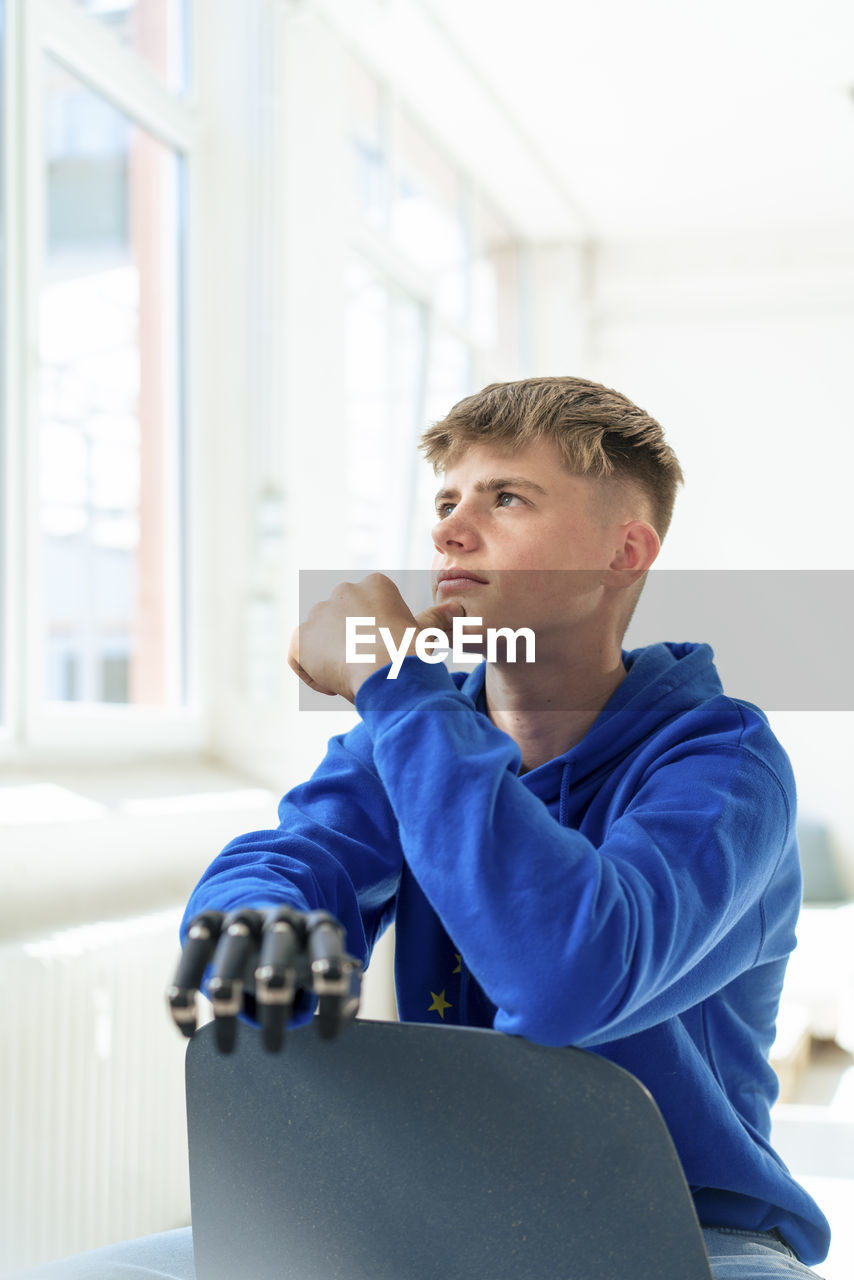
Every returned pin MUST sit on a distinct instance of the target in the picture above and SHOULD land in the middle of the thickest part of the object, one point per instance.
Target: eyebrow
(494, 486)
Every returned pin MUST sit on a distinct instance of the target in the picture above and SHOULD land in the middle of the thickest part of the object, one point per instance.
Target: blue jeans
(167, 1256)
(749, 1255)
(733, 1254)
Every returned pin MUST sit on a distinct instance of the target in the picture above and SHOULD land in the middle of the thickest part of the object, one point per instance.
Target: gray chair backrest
(409, 1152)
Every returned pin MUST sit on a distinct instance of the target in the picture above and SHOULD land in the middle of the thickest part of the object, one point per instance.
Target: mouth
(454, 579)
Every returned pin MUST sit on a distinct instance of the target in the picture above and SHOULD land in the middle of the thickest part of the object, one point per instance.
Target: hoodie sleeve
(336, 848)
(577, 942)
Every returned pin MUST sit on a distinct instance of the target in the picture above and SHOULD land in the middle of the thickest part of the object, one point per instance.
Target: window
(386, 353)
(433, 308)
(155, 29)
(95, 517)
(315, 318)
(109, 403)
(430, 222)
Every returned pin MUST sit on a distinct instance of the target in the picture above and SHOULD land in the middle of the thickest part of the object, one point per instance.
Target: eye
(512, 497)
(444, 509)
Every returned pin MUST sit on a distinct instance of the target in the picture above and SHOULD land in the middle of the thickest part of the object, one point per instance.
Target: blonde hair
(600, 433)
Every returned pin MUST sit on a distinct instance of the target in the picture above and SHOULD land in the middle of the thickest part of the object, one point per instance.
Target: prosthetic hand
(275, 955)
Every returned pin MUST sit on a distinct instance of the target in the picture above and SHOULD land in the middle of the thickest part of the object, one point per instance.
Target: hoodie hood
(662, 681)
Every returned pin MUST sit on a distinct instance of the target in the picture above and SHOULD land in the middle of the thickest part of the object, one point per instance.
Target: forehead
(537, 469)
(541, 467)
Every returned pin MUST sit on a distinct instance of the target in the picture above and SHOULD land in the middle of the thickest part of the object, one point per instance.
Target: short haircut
(600, 433)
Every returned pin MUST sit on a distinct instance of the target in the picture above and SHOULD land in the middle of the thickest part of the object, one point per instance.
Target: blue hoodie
(636, 896)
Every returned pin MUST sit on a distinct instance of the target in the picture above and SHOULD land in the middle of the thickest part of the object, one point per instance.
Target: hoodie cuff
(382, 702)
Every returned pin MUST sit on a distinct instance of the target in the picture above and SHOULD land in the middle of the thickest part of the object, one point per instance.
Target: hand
(283, 953)
(317, 651)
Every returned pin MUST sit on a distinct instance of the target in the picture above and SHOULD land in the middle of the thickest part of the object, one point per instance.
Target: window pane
(449, 375)
(429, 223)
(386, 347)
(495, 286)
(449, 379)
(410, 359)
(368, 150)
(109, 405)
(155, 29)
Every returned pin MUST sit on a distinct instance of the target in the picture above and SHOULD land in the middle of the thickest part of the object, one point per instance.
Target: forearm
(571, 939)
(335, 849)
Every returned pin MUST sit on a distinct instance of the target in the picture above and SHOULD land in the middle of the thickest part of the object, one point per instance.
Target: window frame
(34, 729)
(377, 247)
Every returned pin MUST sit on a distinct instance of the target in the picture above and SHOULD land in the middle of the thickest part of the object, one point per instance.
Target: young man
(596, 848)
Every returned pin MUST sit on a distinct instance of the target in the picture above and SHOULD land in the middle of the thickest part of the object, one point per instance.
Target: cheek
(575, 549)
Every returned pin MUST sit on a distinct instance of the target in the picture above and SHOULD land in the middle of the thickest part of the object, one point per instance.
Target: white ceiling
(615, 118)
(672, 115)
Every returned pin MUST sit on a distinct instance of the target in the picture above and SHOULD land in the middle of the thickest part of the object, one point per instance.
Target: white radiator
(93, 1133)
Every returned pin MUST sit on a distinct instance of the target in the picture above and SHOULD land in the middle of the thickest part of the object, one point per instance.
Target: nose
(456, 532)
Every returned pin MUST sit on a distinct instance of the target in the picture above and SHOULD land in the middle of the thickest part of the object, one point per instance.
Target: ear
(639, 545)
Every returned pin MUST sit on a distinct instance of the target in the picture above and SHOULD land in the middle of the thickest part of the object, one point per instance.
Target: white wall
(741, 347)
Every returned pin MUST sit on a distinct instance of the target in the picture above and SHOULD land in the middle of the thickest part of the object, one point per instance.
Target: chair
(410, 1152)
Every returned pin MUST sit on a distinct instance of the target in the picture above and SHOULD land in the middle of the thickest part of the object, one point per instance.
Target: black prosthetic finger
(274, 1018)
(201, 939)
(282, 943)
(233, 961)
(334, 974)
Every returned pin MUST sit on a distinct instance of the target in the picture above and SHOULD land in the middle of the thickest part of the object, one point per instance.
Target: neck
(548, 707)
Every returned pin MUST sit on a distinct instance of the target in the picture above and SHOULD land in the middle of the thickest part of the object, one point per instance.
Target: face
(521, 542)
